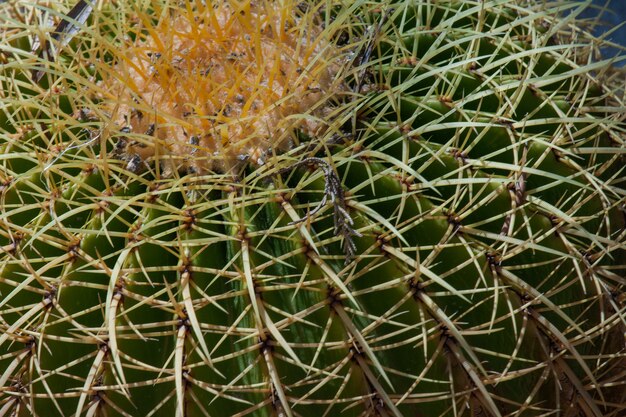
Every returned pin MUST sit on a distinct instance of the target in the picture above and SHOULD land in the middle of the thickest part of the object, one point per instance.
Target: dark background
(610, 18)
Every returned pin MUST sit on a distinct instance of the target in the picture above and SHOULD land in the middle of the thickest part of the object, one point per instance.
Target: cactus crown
(224, 81)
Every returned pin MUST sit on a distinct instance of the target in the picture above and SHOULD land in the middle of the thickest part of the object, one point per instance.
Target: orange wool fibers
(209, 85)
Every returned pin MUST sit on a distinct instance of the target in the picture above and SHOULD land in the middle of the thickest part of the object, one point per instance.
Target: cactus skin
(481, 152)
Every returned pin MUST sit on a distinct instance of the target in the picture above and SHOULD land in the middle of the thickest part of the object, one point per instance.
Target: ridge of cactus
(310, 208)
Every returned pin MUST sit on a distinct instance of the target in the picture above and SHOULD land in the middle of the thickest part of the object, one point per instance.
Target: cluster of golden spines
(223, 82)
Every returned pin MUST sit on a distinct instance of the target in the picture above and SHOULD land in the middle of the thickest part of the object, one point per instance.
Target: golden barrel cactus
(315, 208)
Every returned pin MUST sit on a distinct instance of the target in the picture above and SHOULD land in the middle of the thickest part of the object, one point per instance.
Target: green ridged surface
(486, 181)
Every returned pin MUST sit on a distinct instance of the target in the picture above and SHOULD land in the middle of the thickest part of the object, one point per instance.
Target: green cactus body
(440, 232)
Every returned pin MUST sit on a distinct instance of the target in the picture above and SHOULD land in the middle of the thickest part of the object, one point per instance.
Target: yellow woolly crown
(223, 82)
